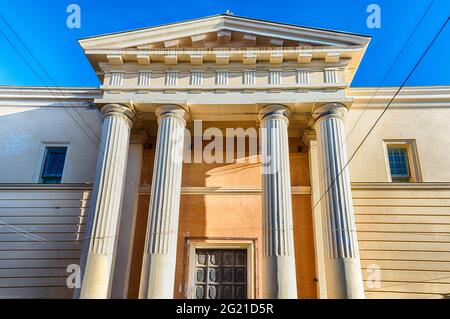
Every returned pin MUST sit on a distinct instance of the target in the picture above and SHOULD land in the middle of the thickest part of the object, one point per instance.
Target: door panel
(221, 274)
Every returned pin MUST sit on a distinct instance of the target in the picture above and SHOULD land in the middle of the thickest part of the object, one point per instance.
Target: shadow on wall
(206, 212)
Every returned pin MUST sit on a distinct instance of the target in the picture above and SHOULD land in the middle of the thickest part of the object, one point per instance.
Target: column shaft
(106, 200)
(128, 219)
(344, 279)
(279, 275)
(158, 269)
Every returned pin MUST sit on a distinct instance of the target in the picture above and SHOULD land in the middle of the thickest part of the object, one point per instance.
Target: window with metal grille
(399, 164)
(220, 274)
(53, 165)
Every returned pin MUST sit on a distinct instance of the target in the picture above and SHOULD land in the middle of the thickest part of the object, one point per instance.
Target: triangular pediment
(223, 31)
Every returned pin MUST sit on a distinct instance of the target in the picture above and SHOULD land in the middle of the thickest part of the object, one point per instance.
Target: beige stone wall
(402, 229)
(24, 129)
(428, 126)
(405, 232)
(41, 233)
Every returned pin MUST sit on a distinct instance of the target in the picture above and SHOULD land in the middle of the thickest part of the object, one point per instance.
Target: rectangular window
(402, 161)
(53, 167)
(398, 164)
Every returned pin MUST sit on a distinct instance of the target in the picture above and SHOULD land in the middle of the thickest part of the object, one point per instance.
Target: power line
(128, 178)
(392, 66)
(386, 108)
(380, 84)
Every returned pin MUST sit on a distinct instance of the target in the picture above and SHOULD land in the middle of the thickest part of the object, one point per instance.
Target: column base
(279, 278)
(96, 280)
(346, 275)
(158, 277)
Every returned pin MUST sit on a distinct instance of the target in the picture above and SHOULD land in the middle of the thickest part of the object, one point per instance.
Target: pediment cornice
(224, 27)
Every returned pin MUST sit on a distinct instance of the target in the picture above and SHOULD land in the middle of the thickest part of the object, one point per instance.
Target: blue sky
(41, 25)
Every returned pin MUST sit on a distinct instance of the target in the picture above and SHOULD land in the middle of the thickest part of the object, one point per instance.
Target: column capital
(171, 110)
(274, 111)
(118, 110)
(330, 110)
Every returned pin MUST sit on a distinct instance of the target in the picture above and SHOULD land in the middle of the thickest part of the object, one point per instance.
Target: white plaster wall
(430, 127)
(23, 129)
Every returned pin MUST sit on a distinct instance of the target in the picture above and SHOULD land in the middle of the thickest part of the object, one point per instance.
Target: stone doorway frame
(249, 244)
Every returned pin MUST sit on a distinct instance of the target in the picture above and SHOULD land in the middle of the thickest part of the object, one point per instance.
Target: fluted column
(343, 270)
(279, 275)
(106, 201)
(158, 268)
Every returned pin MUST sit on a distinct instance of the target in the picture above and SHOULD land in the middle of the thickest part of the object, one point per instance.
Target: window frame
(243, 244)
(37, 176)
(415, 175)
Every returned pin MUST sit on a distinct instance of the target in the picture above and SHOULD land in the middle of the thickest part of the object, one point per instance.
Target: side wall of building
(403, 229)
(25, 132)
(42, 226)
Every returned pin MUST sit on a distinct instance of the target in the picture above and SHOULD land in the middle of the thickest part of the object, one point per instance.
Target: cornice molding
(185, 42)
(296, 190)
(218, 23)
(225, 56)
(46, 187)
(52, 97)
(401, 186)
(408, 97)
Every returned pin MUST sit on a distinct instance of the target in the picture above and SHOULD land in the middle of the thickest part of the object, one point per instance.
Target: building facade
(224, 157)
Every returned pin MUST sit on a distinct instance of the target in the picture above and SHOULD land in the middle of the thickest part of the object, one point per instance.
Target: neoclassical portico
(343, 273)
(227, 72)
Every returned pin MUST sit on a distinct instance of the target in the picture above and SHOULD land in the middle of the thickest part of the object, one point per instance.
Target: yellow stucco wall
(230, 217)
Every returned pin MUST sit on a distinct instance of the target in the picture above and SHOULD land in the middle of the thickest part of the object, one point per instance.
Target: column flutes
(279, 275)
(158, 268)
(344, 278)
(106, 201)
